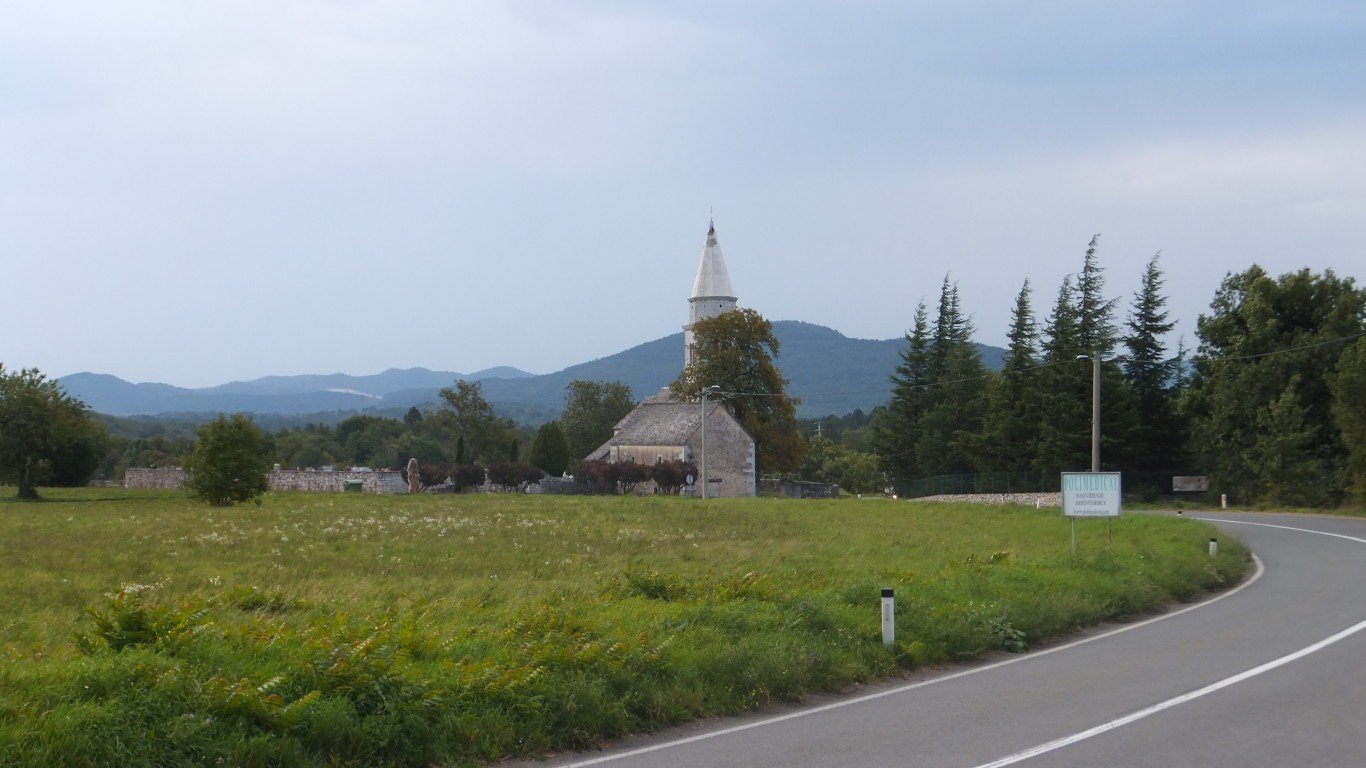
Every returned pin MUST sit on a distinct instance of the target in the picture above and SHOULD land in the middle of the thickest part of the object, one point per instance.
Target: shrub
(466, 475)
(671, 476)
(229, 462)
(433, 474)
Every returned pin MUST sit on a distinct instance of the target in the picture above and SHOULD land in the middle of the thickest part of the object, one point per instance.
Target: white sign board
(1090, 494)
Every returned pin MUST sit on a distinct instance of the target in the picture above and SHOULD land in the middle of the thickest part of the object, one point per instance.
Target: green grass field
(141, 628)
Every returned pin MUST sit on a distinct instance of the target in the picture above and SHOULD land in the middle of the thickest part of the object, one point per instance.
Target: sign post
(1090, 494)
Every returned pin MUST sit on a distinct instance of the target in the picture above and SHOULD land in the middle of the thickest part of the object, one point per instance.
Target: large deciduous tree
(1349, 412)
(734, 351)
(465, 412)
(1263, 384)
(229, 462)
(591, 410)
(45, 435)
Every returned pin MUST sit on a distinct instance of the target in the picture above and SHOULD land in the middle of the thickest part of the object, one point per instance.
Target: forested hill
(828, 371)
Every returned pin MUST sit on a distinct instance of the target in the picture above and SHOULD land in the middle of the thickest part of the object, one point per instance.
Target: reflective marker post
(1213, 547)
(888, 616)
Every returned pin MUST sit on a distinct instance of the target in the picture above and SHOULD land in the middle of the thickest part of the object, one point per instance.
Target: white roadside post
(1213, 547)
(888, 616)
(1223, 501)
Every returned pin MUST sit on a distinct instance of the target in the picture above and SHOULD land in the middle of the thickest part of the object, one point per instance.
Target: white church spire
(712, 278)
(711, 291)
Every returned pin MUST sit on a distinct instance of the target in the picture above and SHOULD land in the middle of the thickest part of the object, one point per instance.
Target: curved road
(1268, 674)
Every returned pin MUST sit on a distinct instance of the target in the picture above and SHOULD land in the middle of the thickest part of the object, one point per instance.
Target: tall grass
(140, 628)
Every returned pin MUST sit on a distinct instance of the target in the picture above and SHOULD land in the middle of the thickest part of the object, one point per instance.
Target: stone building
(663, 428)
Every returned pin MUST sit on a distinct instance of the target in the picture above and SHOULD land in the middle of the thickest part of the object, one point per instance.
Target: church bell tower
(711, 291)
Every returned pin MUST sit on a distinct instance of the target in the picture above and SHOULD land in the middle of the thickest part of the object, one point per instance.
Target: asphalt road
(1269, 674)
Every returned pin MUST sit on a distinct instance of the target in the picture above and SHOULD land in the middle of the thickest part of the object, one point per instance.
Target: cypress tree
(550, 449)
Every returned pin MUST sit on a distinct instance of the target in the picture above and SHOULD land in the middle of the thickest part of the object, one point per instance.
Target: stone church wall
(730, 457)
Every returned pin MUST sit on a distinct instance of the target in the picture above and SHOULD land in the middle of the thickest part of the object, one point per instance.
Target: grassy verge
(144, 629)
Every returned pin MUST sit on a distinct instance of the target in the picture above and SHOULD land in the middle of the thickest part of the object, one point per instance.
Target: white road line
(1211, 688)
(912, 686)
(1283, 527)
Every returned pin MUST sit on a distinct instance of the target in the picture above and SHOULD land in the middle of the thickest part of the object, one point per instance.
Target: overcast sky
(199, 192)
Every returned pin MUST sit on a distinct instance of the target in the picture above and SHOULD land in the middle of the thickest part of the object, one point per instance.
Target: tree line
(1270, 404)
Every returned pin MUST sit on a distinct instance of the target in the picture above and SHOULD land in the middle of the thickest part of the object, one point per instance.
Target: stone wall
(154, 477)
(316, 481)
(312, 480)
(1029, 499)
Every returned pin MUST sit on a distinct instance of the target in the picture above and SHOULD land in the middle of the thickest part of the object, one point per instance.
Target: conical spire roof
(712, 278)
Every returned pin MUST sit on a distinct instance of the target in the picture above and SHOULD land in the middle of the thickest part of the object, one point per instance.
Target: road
(1268, 674)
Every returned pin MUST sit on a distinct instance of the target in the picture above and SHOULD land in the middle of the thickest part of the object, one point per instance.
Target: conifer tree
(1158, 436)
(949, 437)
(1064, 403)
(1012, 426)
(895, 428)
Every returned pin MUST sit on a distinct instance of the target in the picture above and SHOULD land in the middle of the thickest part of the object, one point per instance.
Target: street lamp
(1095, 404)
(703, 469)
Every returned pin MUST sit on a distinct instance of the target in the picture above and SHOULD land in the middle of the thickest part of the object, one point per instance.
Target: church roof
(660, 422)
(712, 278)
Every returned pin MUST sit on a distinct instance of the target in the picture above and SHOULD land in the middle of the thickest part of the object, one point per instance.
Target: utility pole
(1095, 411)
(703, 468)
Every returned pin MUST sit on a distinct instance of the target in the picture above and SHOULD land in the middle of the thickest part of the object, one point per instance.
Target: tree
(734, 351)
(466, 413)
(1349, 412)
(229, 462)
(550, 449)
(854, 471)
(933, 422)
(1011, 425)
(948, 440)
(413, 417)
(591, 410)
(1263, 379)
(1065, 391)
(895, 427)
(1158, 437)
(44, 433)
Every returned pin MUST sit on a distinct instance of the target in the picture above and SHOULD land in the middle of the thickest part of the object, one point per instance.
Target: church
(663, 428)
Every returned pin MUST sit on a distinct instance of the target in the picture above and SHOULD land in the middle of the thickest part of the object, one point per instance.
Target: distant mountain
(829, 372)
(308, 393)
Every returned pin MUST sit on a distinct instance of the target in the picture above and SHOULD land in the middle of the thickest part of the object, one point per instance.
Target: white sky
(199, 192)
